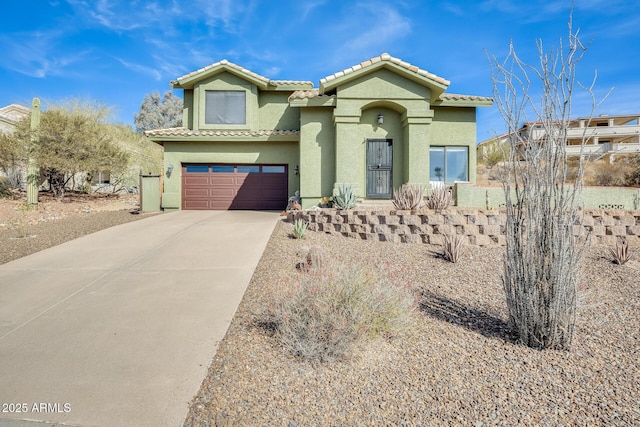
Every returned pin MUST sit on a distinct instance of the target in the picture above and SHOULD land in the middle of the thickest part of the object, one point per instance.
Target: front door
(379, 173)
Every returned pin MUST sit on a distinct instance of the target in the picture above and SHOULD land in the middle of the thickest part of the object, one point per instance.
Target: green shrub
(5, 187)
(346, 197)
(330, 311)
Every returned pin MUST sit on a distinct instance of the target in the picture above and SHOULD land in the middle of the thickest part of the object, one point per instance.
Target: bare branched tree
(542, 255)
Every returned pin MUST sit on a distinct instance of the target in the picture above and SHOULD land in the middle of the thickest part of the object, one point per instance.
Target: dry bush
(604, 173)
(542, 255)
(452, 247)
(440, 198)
(621, 253)
(330, 311)
(408, 197)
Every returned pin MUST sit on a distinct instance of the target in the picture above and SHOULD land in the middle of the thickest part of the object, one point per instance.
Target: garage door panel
(197, 180)
(222, 187)
(197, 192)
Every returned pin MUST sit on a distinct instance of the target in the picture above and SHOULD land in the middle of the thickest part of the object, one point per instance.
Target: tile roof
(459, 97)
(385, 57)
(242, 70)
(180, 131)
(305, 94)
(302, 94)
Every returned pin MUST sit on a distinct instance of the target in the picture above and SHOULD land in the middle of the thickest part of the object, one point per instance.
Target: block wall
(480, 227)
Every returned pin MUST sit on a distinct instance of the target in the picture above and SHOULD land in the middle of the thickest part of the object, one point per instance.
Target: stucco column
(416, 153)
(348, 167)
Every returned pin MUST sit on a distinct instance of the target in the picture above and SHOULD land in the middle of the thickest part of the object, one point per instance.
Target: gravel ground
(457, 365)
(24, 232)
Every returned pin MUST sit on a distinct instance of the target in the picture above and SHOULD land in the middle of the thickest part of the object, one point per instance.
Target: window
(225, 107)
(273, 169)
(197, 168)
(248, 169)
(449, 164)
(222, 168)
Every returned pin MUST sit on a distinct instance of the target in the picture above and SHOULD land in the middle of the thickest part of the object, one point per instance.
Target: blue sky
(116, 51)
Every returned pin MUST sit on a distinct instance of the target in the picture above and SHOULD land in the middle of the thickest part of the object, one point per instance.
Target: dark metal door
(379, 174)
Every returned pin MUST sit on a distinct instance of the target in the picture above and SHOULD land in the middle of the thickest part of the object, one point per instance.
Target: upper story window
(225, 107)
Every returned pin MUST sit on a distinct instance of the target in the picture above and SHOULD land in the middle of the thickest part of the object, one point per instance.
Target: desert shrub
(408, 197)
(440, 197)
(621, 253)
(299, 229)
(452, 247)
(5, 187)
(346, 197)
(328, 312)
(607, 174)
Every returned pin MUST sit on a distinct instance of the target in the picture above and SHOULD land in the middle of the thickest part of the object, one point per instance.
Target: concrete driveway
(119, 327)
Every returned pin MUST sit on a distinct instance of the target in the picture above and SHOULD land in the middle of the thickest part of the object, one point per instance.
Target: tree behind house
(542, 255)
(73, 138)
(159, 114)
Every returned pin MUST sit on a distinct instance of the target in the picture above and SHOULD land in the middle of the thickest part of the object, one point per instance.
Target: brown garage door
(225, 186)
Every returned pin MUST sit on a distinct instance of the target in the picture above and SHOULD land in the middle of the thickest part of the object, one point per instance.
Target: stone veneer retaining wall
(481, 227)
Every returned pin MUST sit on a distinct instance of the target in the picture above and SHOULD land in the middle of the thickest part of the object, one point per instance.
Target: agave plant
(346, 197)
(299, 229)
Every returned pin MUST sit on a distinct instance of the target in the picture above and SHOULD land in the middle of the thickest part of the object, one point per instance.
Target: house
(11, 115)
(603, 135)
(249, 142)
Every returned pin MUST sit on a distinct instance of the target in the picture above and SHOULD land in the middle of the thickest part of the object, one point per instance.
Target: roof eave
(191, 81)
(463, 103)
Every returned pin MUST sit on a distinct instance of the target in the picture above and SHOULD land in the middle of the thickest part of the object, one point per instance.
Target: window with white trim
(449, 164)
(225, 107)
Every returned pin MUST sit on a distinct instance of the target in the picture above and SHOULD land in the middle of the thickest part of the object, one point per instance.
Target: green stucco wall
(456, 126)
(317, 154)
(468, 195)
(274, 112)
(225, 81)
(246, 152)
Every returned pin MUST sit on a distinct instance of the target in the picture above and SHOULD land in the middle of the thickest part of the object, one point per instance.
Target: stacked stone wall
(480, 227)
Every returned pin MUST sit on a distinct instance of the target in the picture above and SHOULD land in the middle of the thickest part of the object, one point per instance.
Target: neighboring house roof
(12, 114)
(189, 80)
(384, 61)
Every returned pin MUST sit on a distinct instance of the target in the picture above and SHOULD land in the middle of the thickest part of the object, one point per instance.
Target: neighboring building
(603, 135)
(250, 142)
(11, 115)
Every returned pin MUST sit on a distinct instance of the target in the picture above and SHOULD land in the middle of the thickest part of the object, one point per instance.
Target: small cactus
(316, 258)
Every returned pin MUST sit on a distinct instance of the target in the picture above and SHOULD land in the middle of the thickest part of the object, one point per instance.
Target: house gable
(437, 85)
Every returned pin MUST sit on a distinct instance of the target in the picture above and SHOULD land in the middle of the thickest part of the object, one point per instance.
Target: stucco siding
(317, 155)
(274, 112)
(232, 152)
(456, 126)
(383, 84)
(229, 82)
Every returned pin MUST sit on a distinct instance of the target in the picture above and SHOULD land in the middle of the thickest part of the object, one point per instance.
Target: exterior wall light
(380, 119)
(170, 168)
(297, 170)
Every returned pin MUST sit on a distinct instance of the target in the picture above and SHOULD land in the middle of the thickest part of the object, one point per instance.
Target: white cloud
(37, 55)
(153, 72)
